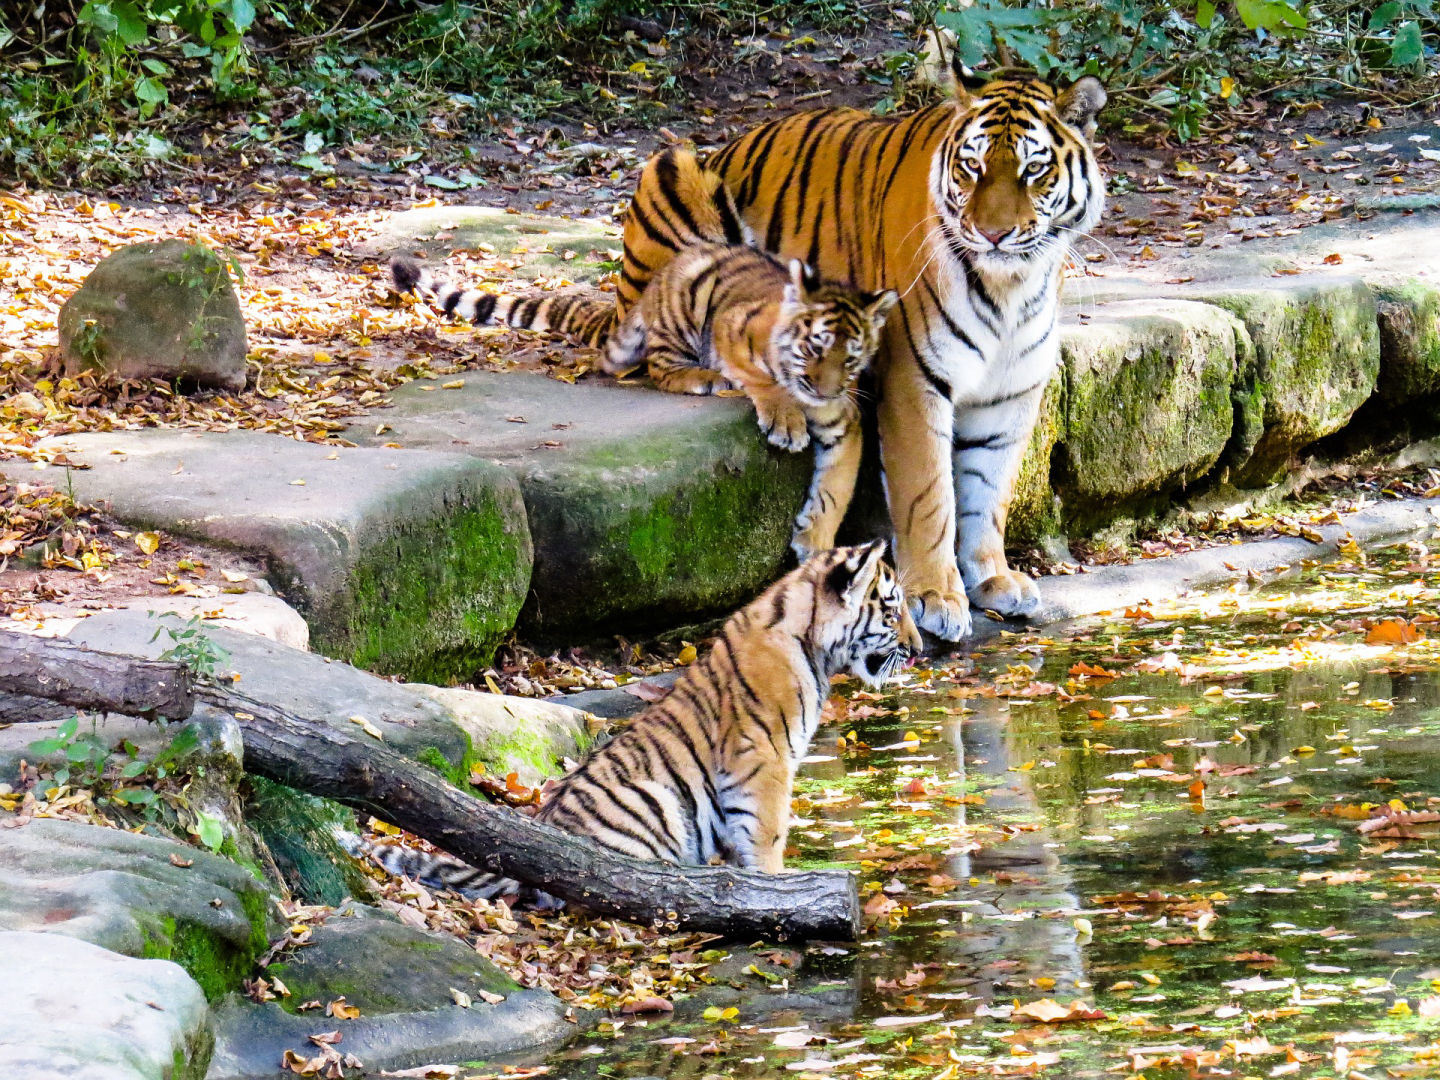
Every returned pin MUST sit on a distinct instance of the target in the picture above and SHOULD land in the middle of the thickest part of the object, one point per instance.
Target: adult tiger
(966, 209)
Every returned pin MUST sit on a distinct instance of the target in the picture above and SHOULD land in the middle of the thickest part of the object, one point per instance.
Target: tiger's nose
(994, 237)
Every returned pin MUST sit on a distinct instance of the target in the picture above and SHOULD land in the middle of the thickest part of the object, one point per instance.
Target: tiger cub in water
(718, 317)
(705, 774)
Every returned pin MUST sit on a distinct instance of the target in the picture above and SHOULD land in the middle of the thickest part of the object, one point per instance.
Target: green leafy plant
(85, 755)
(193, 647)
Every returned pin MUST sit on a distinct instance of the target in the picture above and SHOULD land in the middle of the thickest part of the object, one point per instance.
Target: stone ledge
(350, 534)
(645, 509)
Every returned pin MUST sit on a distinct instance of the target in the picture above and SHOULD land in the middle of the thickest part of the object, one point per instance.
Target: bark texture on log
(24, 709)
(368, 776)
(74, 676)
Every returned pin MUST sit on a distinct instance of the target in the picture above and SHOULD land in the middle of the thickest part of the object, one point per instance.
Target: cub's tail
(436, 870)
(586, 322)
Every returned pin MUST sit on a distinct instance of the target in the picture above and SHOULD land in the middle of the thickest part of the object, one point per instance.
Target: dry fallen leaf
(1050, 1011)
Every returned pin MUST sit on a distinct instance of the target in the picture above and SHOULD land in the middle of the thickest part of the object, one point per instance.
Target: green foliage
(193, 647)
(84, 754)
(1183, 63)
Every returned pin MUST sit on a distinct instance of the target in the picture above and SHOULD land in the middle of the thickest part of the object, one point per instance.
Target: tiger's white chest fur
(1009, 342)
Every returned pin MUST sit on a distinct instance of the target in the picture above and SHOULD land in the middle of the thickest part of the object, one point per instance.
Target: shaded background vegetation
(99, 88)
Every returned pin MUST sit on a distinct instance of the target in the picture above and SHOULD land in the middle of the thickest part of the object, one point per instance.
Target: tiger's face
(863, 623)
(1016, 175)
(826, 336)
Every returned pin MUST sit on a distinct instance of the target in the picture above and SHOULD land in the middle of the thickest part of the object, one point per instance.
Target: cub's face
(827, 336)
(865, 622)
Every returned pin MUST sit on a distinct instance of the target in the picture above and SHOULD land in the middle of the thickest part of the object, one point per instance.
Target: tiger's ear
(967, 80)
(1079, 105)
(850, 578)
(803, 282)
(879, 304)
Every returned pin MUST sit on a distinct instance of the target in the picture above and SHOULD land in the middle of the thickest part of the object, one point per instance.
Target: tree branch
(59, 671)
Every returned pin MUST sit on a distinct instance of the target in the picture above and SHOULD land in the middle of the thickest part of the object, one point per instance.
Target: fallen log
(366, 775)
(60, 671)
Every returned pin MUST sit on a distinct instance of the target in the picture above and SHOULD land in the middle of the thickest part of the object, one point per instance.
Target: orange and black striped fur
(705, 774)
(715, 317)
(967, 210)
(586, 321)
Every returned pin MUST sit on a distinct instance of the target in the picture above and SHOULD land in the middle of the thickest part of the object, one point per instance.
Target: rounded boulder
(163, 310)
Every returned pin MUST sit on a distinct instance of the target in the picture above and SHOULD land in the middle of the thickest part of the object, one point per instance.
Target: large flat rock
(75, 1011)
(122, 892)
(405, 562)
(401, 980)
(645, 509)
(530, 245)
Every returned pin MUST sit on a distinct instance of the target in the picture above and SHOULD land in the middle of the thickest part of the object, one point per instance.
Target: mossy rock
(646, 509)
(381, 965)
(526, 736)
(1409, 317)
(1317, 358)
(401, 979)
(137, 895)
(406, 562)
(162, 310)
(1147, 407)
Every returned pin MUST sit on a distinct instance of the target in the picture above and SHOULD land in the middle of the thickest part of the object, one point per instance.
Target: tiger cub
(705, 774)
(719, 317)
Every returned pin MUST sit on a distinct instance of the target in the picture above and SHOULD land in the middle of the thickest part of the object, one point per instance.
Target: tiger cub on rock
(705, 774)
(724, 316)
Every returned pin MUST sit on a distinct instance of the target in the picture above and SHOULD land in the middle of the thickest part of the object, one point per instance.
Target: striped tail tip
(406, 273)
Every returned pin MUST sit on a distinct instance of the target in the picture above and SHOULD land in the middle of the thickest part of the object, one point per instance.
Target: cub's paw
(1008, 593)
(692, 381)
(944, 613)
(785, 427)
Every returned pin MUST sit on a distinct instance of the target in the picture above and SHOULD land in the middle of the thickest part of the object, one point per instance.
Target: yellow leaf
(1227, 86)
(297, 483)
(491, 683)
(454, 384)
(148, 542)
(686, 655)
(367, 727)
(340, 1009)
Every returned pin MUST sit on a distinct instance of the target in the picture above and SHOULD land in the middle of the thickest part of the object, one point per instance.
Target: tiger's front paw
(785, 427)
(1007, 593)
(944, 613)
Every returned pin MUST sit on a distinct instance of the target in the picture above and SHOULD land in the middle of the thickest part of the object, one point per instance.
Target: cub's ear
(879, 304)
(799, 285)
(1079, 105)
(854, 572)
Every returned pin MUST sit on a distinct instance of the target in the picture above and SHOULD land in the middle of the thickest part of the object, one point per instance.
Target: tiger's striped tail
(584, 321)
(439, 871)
